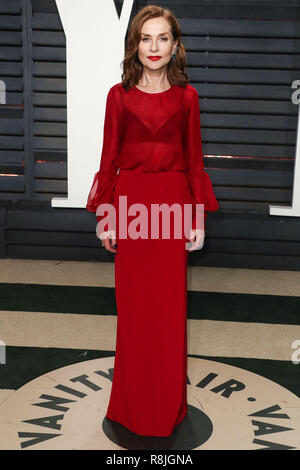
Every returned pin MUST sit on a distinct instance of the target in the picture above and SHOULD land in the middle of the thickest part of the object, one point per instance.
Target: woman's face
(156, 41)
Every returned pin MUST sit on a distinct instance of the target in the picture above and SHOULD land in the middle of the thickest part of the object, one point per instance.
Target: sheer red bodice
(152, 132)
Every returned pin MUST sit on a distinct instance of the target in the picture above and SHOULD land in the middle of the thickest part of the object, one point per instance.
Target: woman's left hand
(197, 239)
(109, 240)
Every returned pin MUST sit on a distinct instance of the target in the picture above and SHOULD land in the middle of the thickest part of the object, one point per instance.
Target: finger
(105, 242)
(198, 244)
(192, 247)
(112, 249)
(113, 245)
(109, 246)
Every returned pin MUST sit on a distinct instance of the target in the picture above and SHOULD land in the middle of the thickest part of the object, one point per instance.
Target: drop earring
(174, 54)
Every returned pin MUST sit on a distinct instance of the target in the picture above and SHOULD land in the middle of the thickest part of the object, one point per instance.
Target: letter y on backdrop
(94, 50)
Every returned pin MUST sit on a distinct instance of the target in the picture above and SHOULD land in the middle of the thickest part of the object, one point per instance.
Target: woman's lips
(155, 57)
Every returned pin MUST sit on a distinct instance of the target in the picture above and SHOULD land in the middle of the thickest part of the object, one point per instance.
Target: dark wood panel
(236, 163)
(286, 126)
(59, 219)
(11, 69)
(44, 185)
(58, 252)
(216, 245)
(49, 155)
(50, 69)
(229, 224)
(233, 185)
(12, 168)
(255, 247)
(242, 206)
(230, 9)
(257, 207)
(10, 156)
(45, 6)
(241, 261)
(49, 114)
(12, 183)
(49, 53)
(207, 104)
(210, 162)
(248, 107)
(10, 53)
(237, 75)
(58, 143)
(247, 60)
(255, 178)
(2, 231)
(47, 21)
(245, 44)
(10, 38)
(238, 28)
(50, 170)
(12, 127)
(48, 38)
(7, 112)
(13, 99)
(252, 226)
(194, 259)
(199, 25)
(49, 84)
(249, 121)
(247, 136)
(223, 193)
(49, 99)
(11, 197)
(240, 193)
(7, 142)
(10, 6)
(242, 177)
(46, 197)
(236, 177)
(224, 90)
(248, 150)
(52, 238)
(55, 129)
(9, 22)
(13, 83)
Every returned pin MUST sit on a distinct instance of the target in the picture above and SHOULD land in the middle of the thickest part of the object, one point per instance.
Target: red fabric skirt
(149, 388)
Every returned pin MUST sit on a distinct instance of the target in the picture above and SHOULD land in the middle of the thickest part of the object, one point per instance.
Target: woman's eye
(164, 38)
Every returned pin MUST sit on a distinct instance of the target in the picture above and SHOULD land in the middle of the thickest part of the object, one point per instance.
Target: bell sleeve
(199, 181)
(102, 189)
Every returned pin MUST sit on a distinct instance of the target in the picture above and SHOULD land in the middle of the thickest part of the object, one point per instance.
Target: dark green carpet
(24, 364)
(101, 301)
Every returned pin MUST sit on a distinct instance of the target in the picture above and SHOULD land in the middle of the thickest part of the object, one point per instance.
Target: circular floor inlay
(228, 408)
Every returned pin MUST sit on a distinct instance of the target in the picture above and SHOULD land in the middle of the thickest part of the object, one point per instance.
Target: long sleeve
(199, 181)
(102, 189)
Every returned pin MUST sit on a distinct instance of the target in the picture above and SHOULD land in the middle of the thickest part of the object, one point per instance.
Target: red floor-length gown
(151, 153)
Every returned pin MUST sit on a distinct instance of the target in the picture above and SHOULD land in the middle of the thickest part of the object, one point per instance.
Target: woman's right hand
(109, 240)
(196, 239)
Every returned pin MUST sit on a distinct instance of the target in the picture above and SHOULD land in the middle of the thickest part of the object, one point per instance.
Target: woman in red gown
(151, 154)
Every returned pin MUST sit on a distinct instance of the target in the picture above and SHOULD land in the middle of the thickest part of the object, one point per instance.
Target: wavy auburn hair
(133, 68)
